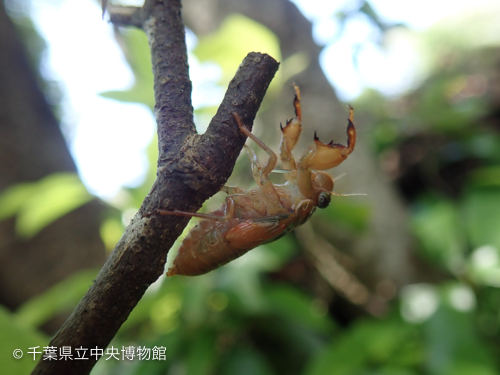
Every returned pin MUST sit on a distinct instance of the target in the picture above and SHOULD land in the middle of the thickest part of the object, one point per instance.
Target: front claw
(325, 156)
(291, 133)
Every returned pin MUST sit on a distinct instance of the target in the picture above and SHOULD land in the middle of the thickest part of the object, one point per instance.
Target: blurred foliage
(18, 335)
(439, 145)
(61, 298)
(37, 204)
(220, 321)
(136, 49)
(236, 36)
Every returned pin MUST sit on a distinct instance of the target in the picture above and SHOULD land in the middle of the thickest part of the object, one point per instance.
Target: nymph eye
(324, 200)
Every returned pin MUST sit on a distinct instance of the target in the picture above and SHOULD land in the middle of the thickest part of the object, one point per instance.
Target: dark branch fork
(191, 168)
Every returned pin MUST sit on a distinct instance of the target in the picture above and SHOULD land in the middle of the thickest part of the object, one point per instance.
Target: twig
(191, 168)
(340, 279)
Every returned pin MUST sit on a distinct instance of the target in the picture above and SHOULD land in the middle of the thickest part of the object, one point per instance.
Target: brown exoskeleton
(261, 215)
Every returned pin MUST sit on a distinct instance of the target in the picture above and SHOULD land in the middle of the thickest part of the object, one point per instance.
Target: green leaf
(368, 345)
(484, 266)
(53, 197)
(164, 312)
(138, 55)
(236, 37)
(195, 304)
(354, 215)
(202, 354)
(439, 230)
(244, 360)
(274, 255)
(111, 231)
(488, 176)
(62, 297)
(289, 303)
(453, 344)
(481, 208)
(13, 198)
(18, 335)
(39, 203)
(295, 64)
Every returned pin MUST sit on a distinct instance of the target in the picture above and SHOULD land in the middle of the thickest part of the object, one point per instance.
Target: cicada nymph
(261, 215)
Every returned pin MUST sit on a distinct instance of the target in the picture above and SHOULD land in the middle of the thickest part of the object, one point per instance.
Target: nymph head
(323, 186)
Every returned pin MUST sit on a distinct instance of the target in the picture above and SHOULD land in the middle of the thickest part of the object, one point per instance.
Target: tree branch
(125, 16)
(191, 168)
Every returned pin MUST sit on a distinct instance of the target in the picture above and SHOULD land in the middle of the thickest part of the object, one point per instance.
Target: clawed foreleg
(290, 134)
(325, 156)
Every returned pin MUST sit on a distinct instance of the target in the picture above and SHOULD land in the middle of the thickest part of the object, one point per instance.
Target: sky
(108, 138)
